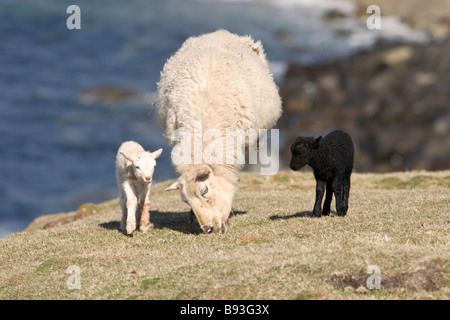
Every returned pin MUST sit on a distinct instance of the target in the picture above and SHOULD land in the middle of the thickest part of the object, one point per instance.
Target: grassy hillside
(399, 222)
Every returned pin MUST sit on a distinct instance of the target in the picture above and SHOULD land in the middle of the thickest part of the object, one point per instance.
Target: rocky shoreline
(393, 99)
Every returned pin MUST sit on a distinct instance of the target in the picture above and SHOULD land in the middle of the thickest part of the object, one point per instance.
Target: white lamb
(222, 81)
(134, 173)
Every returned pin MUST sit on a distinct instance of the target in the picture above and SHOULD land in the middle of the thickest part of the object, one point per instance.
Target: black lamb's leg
(338, 189)
(346, 192)
(329, 195)
(320, 189)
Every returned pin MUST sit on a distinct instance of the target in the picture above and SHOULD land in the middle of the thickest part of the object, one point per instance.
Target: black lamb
(331, 158)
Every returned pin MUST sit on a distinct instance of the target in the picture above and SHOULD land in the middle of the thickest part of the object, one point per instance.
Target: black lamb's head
(302, 151)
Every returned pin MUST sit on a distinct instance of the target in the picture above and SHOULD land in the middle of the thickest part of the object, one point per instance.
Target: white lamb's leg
(123, 205)
(145, 213)
(131, 208)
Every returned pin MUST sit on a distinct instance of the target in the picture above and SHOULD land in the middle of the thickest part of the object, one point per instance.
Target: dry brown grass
(273, 250)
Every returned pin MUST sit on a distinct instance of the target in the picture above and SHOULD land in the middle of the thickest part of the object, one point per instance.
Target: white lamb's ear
(173, 186)
(156, 154)
(128, 156)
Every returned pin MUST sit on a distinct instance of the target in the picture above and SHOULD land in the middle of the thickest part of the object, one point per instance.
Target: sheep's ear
(127, 155)
(156, 153)
(173, 186)
(316, 143)
(203, 173)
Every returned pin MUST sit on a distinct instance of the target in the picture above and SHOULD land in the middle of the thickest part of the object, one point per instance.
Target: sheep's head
(302, 151)
(143, 164)
(209, 192)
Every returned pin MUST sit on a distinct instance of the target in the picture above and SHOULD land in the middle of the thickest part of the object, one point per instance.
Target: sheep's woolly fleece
(221, 80)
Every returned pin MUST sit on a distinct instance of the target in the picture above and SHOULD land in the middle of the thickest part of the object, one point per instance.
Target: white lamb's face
(143, 164)
(144, 167)
(210, 197)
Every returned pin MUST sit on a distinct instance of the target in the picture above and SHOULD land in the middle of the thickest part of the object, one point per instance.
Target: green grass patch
(280, 178)
(307, 296)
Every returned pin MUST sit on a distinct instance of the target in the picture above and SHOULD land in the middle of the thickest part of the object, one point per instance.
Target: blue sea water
(58, 144)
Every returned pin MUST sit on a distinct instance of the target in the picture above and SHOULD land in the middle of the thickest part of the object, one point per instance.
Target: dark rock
(333, 15)
(393, 100)
(59, 219)
(283, 36)
(86, 210)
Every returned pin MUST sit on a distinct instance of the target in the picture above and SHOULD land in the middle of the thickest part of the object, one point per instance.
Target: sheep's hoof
(124, 231)
(146, 228)
(224, 227)
(130, 229)
(316, 214)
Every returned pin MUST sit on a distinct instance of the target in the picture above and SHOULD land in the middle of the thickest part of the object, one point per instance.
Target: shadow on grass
(178, 221)
(112, 225)
(237, 213)
(307, 214)
(295, 215)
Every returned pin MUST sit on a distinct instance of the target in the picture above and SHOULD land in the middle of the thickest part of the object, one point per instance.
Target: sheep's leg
(145, 212)
(346, 186)
(131, 216)
(329, 195)
(320, 189)
(123, 222)
(227, 221)
(131, 205)
(145, 217)
(138, 214)
(338, 189)
(230, 216)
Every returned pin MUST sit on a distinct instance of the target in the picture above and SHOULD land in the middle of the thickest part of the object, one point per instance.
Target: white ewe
(134, 173)
(216, 82)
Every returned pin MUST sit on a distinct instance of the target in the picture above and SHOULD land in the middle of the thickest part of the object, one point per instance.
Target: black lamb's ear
(294, 144)
(316, 142)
